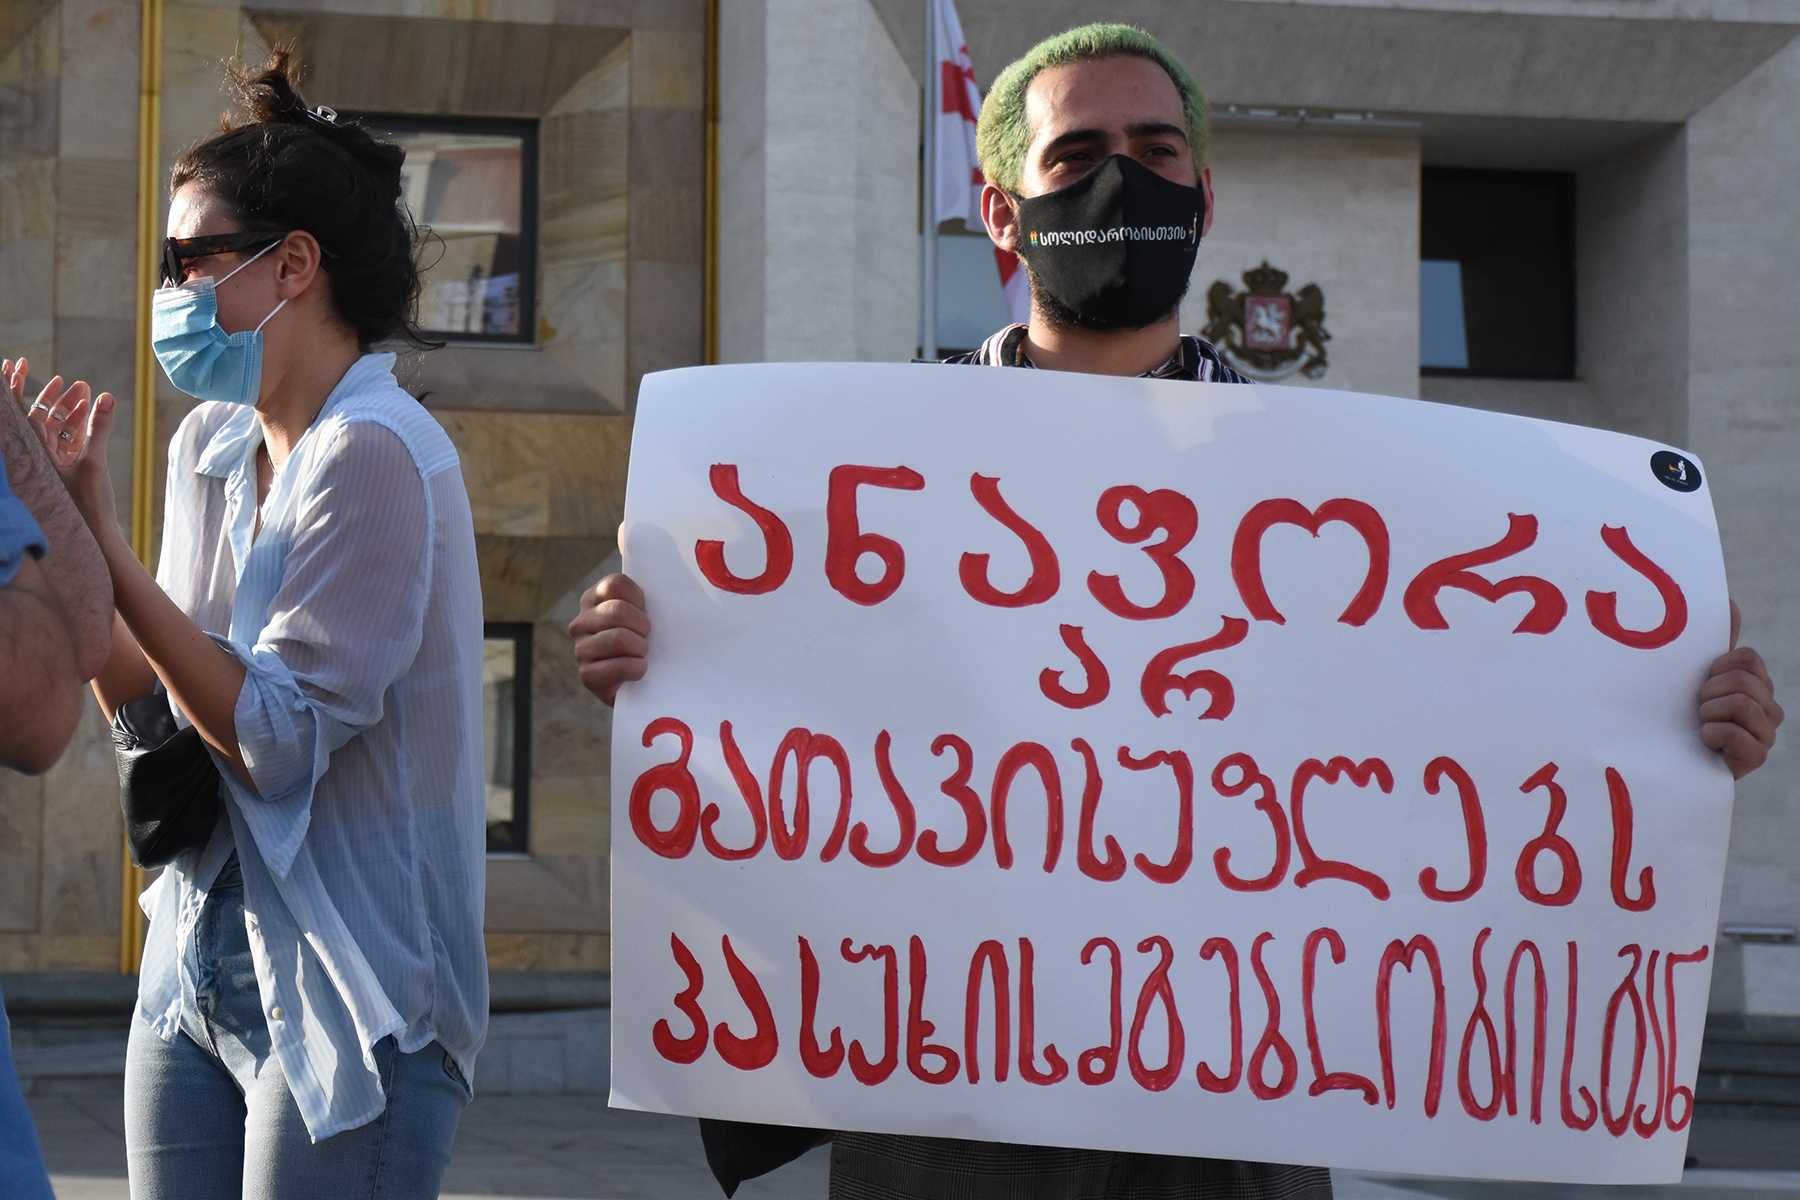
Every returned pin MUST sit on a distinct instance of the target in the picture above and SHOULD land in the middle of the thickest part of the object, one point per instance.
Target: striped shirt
(881, 1166)
(1195, 359)
(356, 612)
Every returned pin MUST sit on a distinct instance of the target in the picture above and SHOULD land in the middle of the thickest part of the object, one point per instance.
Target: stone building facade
(1670, 120)
(615, 92)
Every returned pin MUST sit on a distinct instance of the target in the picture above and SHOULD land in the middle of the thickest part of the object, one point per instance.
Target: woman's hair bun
(284, 165)
(266, 95)
(270, 95)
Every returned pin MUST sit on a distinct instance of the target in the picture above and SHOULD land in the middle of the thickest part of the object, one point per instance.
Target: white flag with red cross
(956, 190)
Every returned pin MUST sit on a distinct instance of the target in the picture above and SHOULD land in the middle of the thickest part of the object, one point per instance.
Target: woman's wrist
(114, 546)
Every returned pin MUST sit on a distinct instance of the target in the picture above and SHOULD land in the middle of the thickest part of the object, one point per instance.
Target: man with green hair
(1094, 149)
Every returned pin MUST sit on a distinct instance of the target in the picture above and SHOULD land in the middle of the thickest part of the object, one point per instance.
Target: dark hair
(282, 166)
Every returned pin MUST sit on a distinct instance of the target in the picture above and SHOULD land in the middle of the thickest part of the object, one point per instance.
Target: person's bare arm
(74, 570)
(127, 674)
(40, 691)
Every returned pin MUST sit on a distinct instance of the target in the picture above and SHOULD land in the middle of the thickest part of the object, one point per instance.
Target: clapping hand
(73, 424)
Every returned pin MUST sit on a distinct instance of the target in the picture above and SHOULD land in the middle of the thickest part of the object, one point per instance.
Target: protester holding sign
(1094, 144)
(314, 988)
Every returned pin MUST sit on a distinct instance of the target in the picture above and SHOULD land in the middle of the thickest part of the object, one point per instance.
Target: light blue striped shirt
(357, 615)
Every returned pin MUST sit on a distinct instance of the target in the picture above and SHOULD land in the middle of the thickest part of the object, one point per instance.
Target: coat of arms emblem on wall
(1265, 332)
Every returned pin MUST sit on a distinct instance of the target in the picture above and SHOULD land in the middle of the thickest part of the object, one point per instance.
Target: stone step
(1747, 1058)
(1759, 1091)
(563, 1052)
(79, 1060)
(1751, 1063)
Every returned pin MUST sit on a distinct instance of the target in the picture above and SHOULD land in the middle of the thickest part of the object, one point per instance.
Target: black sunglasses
(178, 252)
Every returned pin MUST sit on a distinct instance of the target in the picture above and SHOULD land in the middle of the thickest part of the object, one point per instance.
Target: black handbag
(168, 782)
(738, 1151)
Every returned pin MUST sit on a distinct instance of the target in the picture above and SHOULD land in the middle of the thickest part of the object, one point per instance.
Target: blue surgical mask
(197, 355)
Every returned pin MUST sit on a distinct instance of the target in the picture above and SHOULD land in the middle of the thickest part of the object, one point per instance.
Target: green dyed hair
(1003, 134)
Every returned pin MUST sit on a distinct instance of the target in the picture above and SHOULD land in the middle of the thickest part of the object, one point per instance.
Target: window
(473, 183)
(506, 736)
(1497, 280)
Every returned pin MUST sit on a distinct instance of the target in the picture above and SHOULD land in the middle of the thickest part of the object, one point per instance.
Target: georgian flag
(957, 175)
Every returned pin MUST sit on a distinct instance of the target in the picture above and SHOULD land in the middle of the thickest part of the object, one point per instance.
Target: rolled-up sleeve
(19, 532)
(344, 626)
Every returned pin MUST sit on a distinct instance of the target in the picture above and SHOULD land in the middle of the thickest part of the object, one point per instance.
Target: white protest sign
(1248, 772)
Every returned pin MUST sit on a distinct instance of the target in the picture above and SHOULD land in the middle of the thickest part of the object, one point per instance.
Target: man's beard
(1058, 315)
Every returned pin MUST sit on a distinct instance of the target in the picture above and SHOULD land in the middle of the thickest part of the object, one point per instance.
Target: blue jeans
(208, 1115)
(21, 1165)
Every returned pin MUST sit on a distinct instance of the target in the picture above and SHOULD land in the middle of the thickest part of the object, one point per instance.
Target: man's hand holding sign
(1112, 763)
(1738, 711)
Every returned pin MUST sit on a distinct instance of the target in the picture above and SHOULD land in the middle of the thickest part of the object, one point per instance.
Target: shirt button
(275, 1014)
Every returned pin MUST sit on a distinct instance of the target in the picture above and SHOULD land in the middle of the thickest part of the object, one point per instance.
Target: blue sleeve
(19, 532)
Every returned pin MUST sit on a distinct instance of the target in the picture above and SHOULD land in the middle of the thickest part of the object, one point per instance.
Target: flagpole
(928, 177)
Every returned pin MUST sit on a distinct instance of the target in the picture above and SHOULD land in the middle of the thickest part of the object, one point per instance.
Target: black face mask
(1113, 250)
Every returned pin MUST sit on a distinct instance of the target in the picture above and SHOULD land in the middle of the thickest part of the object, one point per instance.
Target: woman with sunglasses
(314, 987)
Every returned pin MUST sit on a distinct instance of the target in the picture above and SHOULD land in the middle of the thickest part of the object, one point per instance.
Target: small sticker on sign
(1675, 471)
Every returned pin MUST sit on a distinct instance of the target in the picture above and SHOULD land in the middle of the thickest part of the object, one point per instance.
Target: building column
(818, 185)
(1743, 417)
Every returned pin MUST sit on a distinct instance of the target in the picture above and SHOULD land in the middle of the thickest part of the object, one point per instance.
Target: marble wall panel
(30, 87)
(592, 347)
(667, 226)
(197, 39)
(668, 69)
(513, 379)
(569, 816)
(40, 952)
(601, 88)
(21, 846)
(542, 475)
(100, 350)
(29, 268)
(573, 730)
(507, 493)
(590, 228)
(582, 157)
(28, 114)
(96, 278)
(545, 894)
(667, 142)
(101, 45)
(81, 838)
(28, 208)
(18, 18)
(521, 578)
(543, 952)
(584, 459)
(465, 67)
(98, 197)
